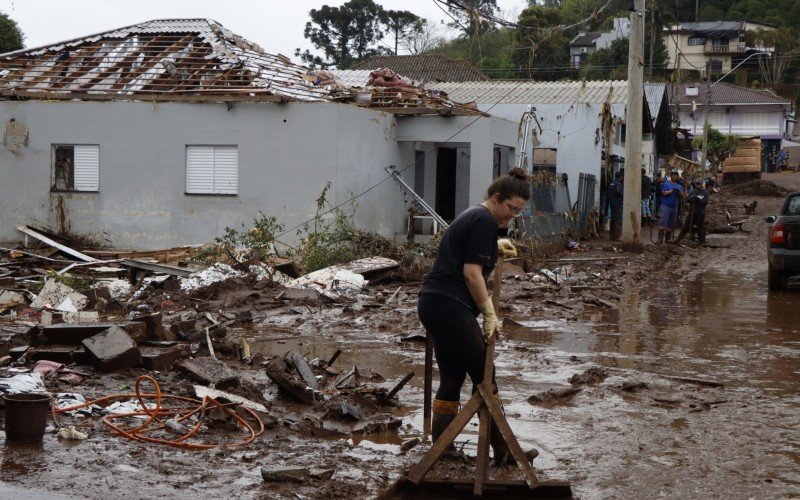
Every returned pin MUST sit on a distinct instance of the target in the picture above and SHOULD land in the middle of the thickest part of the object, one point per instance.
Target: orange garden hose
(154, 416)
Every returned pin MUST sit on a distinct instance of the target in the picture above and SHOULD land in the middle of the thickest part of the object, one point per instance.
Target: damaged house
(163, 133)
(575, 127)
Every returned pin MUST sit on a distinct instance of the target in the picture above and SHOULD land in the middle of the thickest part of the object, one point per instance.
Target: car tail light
(776, 234)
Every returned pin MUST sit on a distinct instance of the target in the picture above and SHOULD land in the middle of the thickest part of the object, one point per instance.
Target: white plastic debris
(72, 433)
(332, 279)
(22, 383)
(67, 306)
(214, 274)
(146, 284)
(118, 289)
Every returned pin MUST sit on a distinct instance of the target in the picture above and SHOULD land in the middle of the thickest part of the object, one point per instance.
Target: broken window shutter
(199, 169)
(226, 169)
(87, 168)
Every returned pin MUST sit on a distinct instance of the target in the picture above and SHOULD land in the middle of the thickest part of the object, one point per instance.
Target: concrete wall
(572, 130)
(287, 152)
(481, 135)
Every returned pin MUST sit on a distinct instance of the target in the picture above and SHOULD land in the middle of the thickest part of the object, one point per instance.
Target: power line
(411, 164)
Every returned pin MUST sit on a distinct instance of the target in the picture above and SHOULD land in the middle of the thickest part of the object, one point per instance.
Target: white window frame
(83, 173)
(212, 169)
(696, 41)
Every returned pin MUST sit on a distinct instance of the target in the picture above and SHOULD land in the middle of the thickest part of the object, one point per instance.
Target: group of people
(665, 199)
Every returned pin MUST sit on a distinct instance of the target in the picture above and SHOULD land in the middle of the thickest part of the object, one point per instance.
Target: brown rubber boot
(660, 236)
(443, 413)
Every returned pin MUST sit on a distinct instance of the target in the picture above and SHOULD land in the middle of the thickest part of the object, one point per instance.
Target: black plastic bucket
(26, 416)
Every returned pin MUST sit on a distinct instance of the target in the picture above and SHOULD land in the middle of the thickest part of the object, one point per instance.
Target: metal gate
(585, 202)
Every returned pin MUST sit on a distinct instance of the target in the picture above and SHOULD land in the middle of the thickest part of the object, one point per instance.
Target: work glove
(506, 248)
(491, 325)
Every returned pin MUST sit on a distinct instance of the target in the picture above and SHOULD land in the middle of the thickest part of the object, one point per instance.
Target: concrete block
(65, 354)
(55, 293)
(113, 349)
(155, 327)
(159, 358)
(209, 371)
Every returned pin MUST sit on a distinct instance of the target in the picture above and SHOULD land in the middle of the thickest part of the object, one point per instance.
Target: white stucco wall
(573, 129)
(287, 152)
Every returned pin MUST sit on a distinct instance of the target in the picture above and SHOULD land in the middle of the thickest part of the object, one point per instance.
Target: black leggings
(457, 341)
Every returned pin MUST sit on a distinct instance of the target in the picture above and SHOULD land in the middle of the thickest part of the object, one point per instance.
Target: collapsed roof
(178, 56)
(181, 60)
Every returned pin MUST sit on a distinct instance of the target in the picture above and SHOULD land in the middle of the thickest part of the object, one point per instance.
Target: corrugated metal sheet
(352, 77)
(529, 92)
(87, 168)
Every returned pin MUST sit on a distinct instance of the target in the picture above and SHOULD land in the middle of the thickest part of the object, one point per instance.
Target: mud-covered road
(693, 393)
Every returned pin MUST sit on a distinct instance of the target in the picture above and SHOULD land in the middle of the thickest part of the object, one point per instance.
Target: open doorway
(446, 159)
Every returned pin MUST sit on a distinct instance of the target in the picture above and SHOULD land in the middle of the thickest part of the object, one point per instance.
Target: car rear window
(792, 206)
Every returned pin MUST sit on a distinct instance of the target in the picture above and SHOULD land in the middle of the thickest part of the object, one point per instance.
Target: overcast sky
(276, 25)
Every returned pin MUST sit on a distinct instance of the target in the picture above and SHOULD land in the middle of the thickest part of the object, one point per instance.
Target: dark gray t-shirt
(471, 238)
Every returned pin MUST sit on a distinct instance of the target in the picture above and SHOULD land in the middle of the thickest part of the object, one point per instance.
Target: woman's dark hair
(514, 183)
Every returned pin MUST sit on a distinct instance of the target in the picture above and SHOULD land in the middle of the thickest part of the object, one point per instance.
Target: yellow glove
(491, 325)
(506, 248)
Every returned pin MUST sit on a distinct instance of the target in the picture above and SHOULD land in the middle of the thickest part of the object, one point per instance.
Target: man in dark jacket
(697, 201)
(647, 186)
(615, 190)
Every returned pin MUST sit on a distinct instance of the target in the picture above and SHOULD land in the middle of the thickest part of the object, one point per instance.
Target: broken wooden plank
(399, 386)
(304, 369)
(157, 268)
(44, 239)
(494, 488)
(587, 259)
(278, 371)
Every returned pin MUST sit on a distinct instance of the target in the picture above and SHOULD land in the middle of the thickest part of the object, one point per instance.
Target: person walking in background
(671, 195)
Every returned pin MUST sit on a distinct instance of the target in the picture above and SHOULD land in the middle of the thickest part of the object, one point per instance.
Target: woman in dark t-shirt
(455, 292)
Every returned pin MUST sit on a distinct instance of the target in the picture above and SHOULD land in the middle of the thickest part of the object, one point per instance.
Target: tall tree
(541, 54)
(473, 17)
(784, 46)
(344, 34)
(11, 37)
(401, 25)
(429, 37)
(610, 63)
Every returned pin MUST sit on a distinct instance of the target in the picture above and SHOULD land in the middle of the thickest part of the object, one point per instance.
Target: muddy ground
(694, 370)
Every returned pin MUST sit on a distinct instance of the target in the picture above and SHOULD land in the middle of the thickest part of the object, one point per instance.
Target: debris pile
(76, 328)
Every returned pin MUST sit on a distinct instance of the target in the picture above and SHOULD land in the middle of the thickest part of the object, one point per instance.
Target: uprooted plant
(257, 241)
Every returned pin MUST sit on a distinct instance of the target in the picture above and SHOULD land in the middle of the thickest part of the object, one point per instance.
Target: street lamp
(707, 105)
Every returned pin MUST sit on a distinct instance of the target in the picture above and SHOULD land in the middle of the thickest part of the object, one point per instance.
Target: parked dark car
(784, 243)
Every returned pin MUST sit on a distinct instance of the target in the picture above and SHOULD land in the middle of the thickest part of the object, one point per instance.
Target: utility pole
(632, 200)
(706, 105)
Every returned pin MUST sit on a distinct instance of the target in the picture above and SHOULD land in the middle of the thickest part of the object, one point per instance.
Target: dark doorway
(446, 183)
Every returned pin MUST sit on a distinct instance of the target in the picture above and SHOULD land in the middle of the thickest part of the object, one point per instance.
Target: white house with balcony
(692, 46)
(733, 110)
